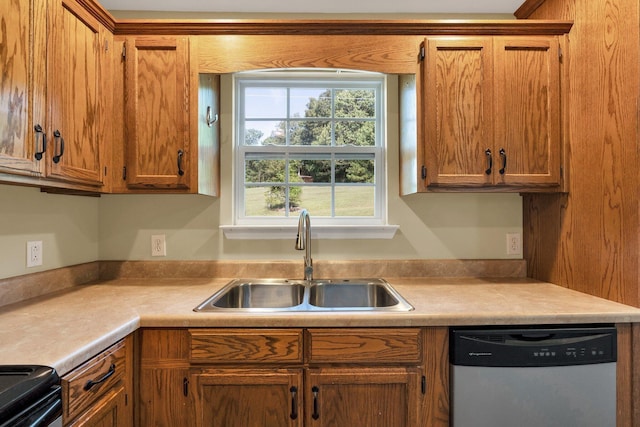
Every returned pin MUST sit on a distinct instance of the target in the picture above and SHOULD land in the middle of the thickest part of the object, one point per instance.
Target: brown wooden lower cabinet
(248, 397)
(373, 397)
(110, 410)
(387, 377)
(97, 393)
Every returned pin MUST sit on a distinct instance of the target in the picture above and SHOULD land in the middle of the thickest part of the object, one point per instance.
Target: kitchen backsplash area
(76, 230)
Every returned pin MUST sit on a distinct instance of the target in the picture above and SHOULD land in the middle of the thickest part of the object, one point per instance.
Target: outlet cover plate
(158, 245)
(514, 244)
(34, 253)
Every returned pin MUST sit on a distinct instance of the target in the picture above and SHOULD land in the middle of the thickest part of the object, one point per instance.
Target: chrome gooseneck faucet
(303, 242)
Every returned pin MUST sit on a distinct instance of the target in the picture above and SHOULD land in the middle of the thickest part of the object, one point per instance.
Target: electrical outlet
(34, 253)
(514, 244)
(158, 245)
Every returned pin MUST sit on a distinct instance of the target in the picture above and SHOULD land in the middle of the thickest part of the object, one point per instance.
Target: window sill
(271, 232)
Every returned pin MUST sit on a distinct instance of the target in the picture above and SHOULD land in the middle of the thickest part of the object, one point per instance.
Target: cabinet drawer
(242, 346)
(85, 384)
(365, 345)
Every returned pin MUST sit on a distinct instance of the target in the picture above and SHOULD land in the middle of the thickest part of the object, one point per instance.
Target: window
(309, 139)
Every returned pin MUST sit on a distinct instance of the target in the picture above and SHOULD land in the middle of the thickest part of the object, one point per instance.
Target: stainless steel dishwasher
(533, 376)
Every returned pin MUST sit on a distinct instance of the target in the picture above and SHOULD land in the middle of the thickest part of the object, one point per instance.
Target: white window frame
(324, 227)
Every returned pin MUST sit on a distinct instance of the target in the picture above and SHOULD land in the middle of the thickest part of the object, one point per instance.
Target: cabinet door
(372, 397)
(110, 410)
(253, 397)
(22, 61)
(73, 90)
(527, 111)
(165, 398)
(458, 107)
(157, 112)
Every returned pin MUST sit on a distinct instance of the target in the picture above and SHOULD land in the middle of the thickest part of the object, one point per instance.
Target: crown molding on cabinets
(423, 27)
(100, 13)
(338, 27)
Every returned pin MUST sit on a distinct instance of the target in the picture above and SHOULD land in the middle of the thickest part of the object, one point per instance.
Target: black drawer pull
(503, 154)
(315, 390)
(39, 131)
(487, 153)
(59, 142)
(91, 383)
(180, 170)
(294, 402)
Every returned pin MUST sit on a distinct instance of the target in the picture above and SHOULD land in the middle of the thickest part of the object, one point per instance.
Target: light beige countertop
(65, 328)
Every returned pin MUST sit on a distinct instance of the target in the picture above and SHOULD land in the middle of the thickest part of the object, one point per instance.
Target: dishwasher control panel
(533, 346)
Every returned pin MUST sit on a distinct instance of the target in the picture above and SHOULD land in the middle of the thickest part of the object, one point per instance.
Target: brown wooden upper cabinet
(157, 145)
(492, 113)
(22, 92)
(75, 72)
(52, 97)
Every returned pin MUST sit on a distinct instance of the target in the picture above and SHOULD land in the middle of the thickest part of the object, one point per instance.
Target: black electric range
(30, 395)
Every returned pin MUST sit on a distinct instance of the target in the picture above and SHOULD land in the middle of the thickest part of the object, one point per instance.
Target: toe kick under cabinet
(294, 377)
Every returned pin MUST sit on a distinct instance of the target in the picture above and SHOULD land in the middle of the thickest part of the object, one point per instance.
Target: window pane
(355, 171)
(270, 200)
(356, 103)
(310, 102)
(310, 132)
(265, 102)
(355, 200)
(317, 200)
(356, 133)
(312, 171)
(264, 132)
(256, 171)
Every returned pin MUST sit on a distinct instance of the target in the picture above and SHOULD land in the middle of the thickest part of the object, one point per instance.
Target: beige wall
(66, 225)
(446, 226)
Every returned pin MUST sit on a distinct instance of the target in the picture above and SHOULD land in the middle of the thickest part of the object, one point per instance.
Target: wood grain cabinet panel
(157, 110)
(492, 113)
(246, 345)
(108, 412)
(248, 397)
(379, 346)
(527, 110)
(74, 88)
(458, 110)
(162, 401)
(372, 397)
(22, 88)
(96, 392)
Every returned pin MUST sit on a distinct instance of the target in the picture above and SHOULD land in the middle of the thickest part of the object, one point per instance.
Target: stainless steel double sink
(277, 295)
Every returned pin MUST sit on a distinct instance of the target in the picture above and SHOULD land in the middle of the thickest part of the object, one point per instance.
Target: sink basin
(340, 295)
(266, 294)
(274, 295)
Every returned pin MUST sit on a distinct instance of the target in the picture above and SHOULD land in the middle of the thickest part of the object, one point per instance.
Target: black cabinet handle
(91, 383)
(185, 386)
(39, 132)
(489, 161)
(180, 170)
(59, 142)
(503, 155)
(294, 402)
(315, 391)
